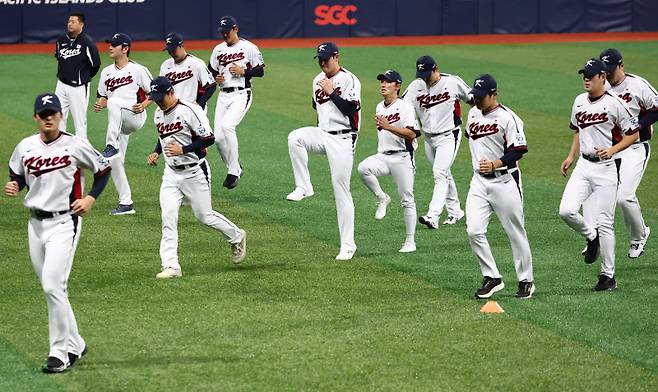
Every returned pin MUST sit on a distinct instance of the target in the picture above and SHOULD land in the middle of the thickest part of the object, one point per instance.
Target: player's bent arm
(405, 133)
(209, 90)
(512, 156)
(101, 103)
(84, 205)
(256, 72)
(199, 144)
(18, 179)
(649, 118)
(346, 107)
(11, 188)
(627, 140)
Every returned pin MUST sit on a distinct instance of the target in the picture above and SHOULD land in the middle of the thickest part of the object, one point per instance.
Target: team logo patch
(46, 99)
(37, 166)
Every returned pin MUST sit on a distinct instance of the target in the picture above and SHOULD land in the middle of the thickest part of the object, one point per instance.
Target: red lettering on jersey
(427, 101)
(225, 59)
(168, 129)
(114, 83)
(626, 97)
(177, 77)
(336, 15)
(585, 119)
(477, 130)
(37, 166)
(391, 118)
(322, 97)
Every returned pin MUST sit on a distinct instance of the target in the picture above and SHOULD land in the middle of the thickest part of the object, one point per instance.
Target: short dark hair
(78, 15)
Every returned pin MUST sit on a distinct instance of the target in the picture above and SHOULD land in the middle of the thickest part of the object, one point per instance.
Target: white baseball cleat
(169, 272)
(637, 247)
(408, 247)
(346, 254)
(452, 219)
(299, 194)
(239, 249)
(381, 207)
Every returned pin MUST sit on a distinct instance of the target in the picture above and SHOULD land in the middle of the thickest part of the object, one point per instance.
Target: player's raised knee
(363, 169)
(568, 213)
(440, 174)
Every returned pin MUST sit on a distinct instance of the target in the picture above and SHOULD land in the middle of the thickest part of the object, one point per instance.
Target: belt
(183, 167)
(231, 89)
(591, 158)
(391, 152)
(493, 174)
(442, 133)
(341, 132)
(41, 215)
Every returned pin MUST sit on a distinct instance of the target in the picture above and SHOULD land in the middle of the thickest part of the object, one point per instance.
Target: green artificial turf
(291, 317)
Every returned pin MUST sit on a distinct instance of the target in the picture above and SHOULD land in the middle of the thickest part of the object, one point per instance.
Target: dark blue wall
(197, 19)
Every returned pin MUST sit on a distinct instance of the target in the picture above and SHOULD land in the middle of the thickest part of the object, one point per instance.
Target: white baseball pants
(402, 168)
(52, 244)
(597, 181)
(504, 196)
(634, 161)
(339, 150)
(441, 151)
(229, 112)
(74, 100)
(193, 184)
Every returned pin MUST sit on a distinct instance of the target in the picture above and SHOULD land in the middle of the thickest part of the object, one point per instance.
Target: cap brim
(170, 48)
(478, 93)
(157, 96)
(323, 56)
(225, 29)
(586, 74)
(609, 67)
(52, 108)
(424, 74)
(386, 78)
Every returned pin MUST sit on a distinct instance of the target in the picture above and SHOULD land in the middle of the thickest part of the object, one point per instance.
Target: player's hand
(82, 206)
(382, 122)
(138, 107)
(327, 85)
(100, 104)
(486, 166)
(564, 169)
(173, 149)
(11, 188)
(153, 158)
(236, 70)
(604, 153)
(220, 79)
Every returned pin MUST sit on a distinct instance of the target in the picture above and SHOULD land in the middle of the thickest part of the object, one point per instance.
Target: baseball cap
(326, 50)
(45, 102)
(592, 68)
(226, 23)
(391, 76)
(160, 86)
(611, 59)
(119, 39)
(483, 85)
(424, 67)
(172, 41)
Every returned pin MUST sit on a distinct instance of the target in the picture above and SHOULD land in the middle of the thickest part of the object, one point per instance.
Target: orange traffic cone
(491, 307)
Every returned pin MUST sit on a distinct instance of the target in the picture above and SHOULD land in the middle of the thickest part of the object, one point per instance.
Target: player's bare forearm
(627, 140)
(405, 133)
(11, 189)
(82, 206)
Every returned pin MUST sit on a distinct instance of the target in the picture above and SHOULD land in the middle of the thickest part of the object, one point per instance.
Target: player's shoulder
(248, 44)
(505, 111)
(640, 82)
(108, 69)
(404, 105)
(474, 112)
(189, 107)
(349, 74)
(167, 63)
(88, 39)
(416, 85)
(615, 99)
(454, 78)
(580, 99)
(28, 142)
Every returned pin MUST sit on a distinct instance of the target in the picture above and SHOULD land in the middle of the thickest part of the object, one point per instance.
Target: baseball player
(436, 97)
(337, 100)
(185, 133)
(233, 63)
(122, 89)
(49, 164)
(77, 63)
(188, 74)
(397, 130)
(642, 101)
(497, 142)
(603, 126)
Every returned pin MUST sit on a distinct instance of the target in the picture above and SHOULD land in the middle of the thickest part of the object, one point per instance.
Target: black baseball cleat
(53, 365)
(489, 287)
(526, 289)
(231, 181)
(73, 358)
(592, 251)
(605, 283)
(109, 151)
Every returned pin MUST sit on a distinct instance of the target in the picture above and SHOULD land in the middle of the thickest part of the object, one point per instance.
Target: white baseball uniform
(335, 136)
(123, 88)
(439, 111)
(599, 123)
(190, 77)
(235, 97)
(186, 176)
(395, 157)
(491, 135)
(640, 97)
(52, 173)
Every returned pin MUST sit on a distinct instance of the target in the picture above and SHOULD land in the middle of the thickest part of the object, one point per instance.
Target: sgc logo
(336, 15)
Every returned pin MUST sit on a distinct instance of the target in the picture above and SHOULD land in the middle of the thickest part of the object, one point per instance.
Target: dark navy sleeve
(254, 72)
(513, 155)
(346, 107)
(205, 97)
(199, 144)
(95, 63)
(100, 180)
(18, 178)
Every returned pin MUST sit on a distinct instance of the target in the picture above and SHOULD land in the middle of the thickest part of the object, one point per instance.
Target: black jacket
(77, 59)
